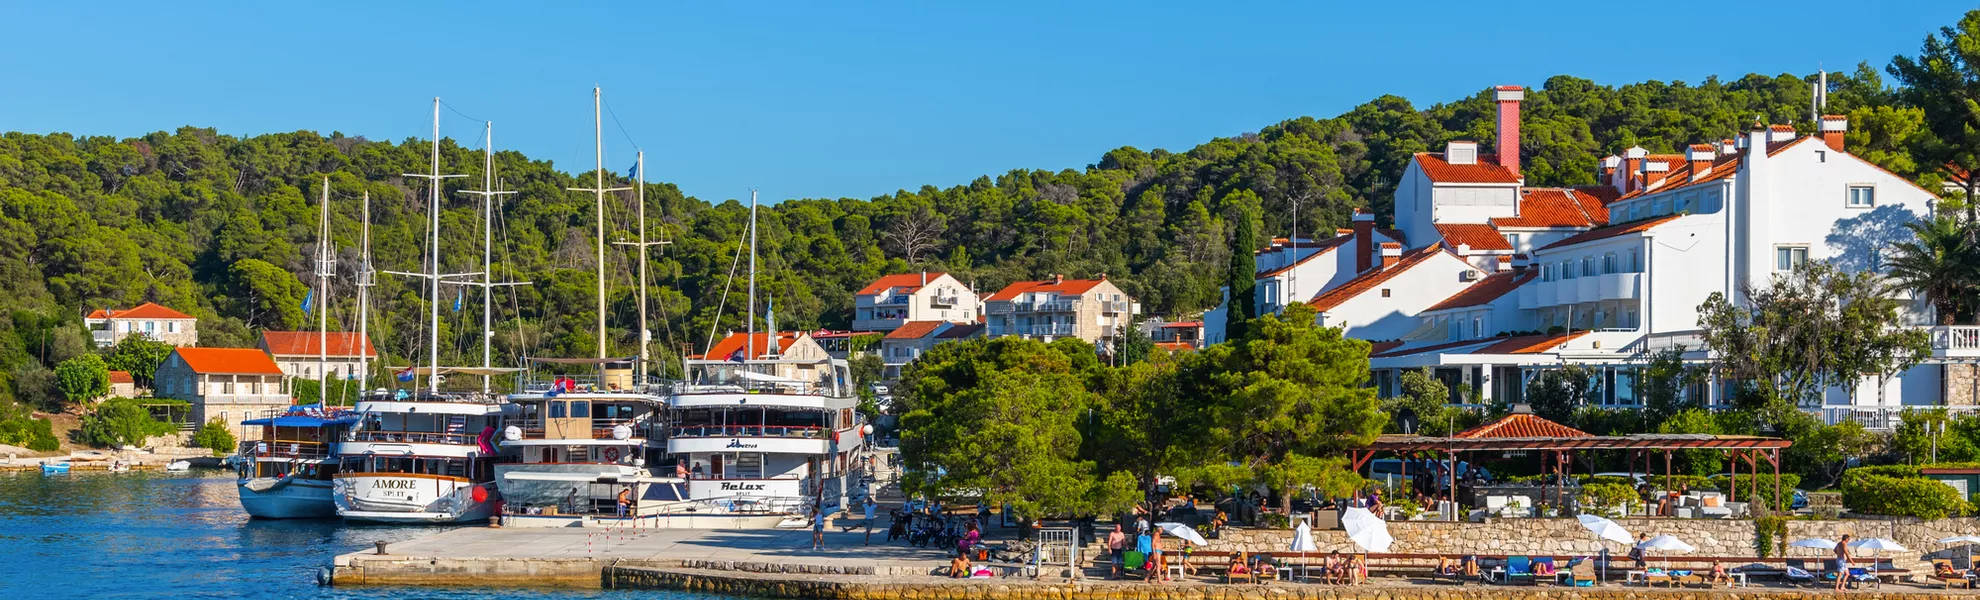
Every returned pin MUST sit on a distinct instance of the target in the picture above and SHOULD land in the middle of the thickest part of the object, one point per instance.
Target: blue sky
(857, 99)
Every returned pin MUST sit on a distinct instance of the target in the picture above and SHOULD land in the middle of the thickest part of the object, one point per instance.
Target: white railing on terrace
(944, 300)
(1956, 337)
(1053, 329)
(1880, 418)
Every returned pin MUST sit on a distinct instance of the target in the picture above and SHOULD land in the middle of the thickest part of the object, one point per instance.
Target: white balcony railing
(1881, 418)
(944, 301)
(1595, 288)
(1051, 329)
(1000, 308)
(1056, 306)
(1956, 338)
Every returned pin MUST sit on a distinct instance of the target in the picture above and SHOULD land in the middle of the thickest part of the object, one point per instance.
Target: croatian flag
(406, 374)
(737, 356)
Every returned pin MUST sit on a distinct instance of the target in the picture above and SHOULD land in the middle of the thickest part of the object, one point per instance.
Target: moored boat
(288, 473)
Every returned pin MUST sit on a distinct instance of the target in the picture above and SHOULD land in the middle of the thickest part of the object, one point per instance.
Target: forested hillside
(221, 227)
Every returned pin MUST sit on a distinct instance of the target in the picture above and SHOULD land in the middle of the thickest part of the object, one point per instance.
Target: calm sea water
(183, 535)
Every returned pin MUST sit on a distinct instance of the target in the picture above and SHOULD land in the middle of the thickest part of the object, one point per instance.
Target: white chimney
(1780, 133)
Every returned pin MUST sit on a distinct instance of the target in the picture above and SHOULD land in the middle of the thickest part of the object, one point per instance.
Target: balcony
(1115, 307)
(1000, 308)
(944, 301)
(103, 337)
(1881, 418)
(895, 300)
(1955, 341)
(1596, 288)
(1050, 329)
(1056, 306)
(878, 324)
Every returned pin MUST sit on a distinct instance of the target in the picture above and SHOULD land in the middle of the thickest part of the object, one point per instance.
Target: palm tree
(1938, 261)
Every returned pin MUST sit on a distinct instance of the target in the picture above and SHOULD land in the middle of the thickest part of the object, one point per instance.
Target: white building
(297, 353)
(228, 384)
(107, 326)
(908, 342)
(1714, 220)
(895, 300)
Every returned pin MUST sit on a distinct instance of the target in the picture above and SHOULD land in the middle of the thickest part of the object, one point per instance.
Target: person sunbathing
(959, 566)
(1445, 567)
(1238, 567)
(1543, 568)
(1719, 575)
(1336, 569)
(1471, 566)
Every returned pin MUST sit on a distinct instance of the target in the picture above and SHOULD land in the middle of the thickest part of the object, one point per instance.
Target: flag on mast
(309, 300)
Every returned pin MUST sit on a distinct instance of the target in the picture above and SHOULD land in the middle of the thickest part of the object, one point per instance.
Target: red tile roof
(1521, 425)
(1182, 325)
(905, 282)
(1553, 207)
(734, 342)
(1611, 231)
(1176, 346)
(1069, 286)
(1478, 235)
(1380, 347)
(1486, 290)
(121, 377)
(229, 361)
(1324, 246)
(148, 310)
(912, 330)
(1484, 171)
(1602, 193)
(303, 343)
(960, 330)
(1374, 277)
(1529, 344)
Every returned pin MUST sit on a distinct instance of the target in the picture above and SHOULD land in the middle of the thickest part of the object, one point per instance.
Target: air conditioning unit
(1468, 276)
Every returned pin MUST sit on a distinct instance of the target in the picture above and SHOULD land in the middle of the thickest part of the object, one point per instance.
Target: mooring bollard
(381, 547)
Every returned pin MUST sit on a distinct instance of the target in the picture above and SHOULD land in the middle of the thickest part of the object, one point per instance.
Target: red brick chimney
(1632, 167)
(1391, 252)
(1058, 278)
(1508, 97)
(1364, 240)
(1833, 127)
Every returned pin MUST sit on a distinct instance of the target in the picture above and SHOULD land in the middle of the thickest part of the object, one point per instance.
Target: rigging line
(615, 121)
(458, 112)
(731, 282)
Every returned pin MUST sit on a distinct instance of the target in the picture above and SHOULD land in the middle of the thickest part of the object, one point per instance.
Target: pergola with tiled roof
(1523, 431)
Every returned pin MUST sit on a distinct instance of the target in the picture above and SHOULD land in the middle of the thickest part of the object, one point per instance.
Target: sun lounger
(1957, 579)
(1517, 568)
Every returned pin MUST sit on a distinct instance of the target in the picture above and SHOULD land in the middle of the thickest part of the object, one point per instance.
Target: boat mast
(598, 190)
(365, 279)
(645, 334)
(749, 339)
(326, 263)
(488, 283)
(433, 273)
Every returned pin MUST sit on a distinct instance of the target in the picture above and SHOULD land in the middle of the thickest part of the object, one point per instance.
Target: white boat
(577, 450)
(427, 459)
(288, 474)
(178, 466)
(769, 441)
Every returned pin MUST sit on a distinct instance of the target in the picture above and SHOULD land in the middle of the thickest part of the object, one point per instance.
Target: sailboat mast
(598, 138)
(749, 340)
(364, 283)
(644, 334)
(325, 262)
(433, 250)
(487, 248)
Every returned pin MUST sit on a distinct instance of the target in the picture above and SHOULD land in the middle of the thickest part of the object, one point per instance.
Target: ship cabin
(302, 440)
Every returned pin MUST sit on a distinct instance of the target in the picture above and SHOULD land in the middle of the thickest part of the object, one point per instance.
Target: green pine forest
(223, 227)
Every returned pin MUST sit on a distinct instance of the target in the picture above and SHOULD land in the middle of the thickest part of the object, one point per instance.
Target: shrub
(1789, 482)
(83, 378)
(1607, 479)
(215, 436)
(1898, 471)
(28, 432)
(120, 422)
(1768, 534)
(1604, 498)
(1671, 482)
(1872, 493)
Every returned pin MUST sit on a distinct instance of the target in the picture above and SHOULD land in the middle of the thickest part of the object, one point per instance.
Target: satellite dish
(512, 433)
(620, 432)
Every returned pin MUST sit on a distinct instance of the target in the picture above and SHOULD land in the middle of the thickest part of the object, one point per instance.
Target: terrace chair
(1251, 575)
(1584, 573)
(1940, 570)
(1518, 567)
(1549, 579)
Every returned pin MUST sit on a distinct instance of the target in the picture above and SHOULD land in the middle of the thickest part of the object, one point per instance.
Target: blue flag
(457, 300)
(633, 172)
(309, 300)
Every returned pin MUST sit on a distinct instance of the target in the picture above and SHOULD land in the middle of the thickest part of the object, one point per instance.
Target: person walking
(1842, 563)
(870, 507)
(1154, 565)
(818, 528)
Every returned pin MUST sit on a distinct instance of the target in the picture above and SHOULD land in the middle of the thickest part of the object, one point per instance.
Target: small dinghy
(179, 465)
(54, 468)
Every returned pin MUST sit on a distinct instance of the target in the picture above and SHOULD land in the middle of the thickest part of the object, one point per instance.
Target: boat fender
(323, 577)
(479, 494)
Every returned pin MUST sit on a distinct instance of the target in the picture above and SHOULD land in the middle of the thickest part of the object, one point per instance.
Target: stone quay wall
(1713, 537)
(638, 578)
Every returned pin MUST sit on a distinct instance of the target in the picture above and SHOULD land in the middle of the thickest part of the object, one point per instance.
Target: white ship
(424, 459)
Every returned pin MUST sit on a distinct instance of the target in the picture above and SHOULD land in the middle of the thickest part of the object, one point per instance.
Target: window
(1385, 292)
(1609, 263)
(1588, 266)
(172, 327)
(1789, 258)
(1635, 264)
(557, 409)
(1546, 272)
(149, 325)
(580, 409)
(1636, 211)
(1477, 327)
(1567, 269)
(1862, 196)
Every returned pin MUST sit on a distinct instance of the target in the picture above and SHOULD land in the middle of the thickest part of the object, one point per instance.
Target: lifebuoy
(611, 455)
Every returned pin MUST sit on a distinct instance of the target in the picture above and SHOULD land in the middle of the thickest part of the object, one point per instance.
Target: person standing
(625, 501)
(870, 507)
(1154, 565)
(818, 528)
(1842, 563)
(1116, 548)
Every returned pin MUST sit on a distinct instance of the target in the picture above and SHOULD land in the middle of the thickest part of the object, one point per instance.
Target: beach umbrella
(1819, 543)
(1666, 542)
(1182, 531)
(1872, 545)
(1366, 530)
(1302, 543)
(1964, 540)
(1607, 530)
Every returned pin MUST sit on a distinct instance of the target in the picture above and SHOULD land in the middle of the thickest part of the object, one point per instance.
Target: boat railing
(288, 449)
(414, 437)
(777, 431)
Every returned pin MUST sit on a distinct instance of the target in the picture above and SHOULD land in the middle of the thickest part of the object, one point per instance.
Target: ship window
(557, 409)
(580, 409)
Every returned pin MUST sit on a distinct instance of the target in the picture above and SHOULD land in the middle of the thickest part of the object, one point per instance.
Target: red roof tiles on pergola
(1520, 426)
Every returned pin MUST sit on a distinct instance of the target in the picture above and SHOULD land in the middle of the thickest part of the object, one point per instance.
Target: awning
(765, 377)
(461, 370)
(301, 421)
(587, 477)
(582, 361)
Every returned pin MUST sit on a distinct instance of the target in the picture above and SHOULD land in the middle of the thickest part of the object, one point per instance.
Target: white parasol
(1872, 545)
(1666, 542)
(1182, 531)
(1820, 543)
(1366, 530)
(1605, 529)
(1964, 540)
(1302, 543)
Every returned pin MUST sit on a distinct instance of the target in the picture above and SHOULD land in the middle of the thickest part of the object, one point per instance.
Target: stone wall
(1962, 384)
(1009, 589)
(1713, 537)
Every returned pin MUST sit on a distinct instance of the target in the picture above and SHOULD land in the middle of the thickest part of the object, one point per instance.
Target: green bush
(120, 422)
(1607, 479)
(1789, 482)
(1603, 498)
(1768, 535)
(215, 436)
(28, 432)
(1898, 471)
(1875, 494)
(1671, 482)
